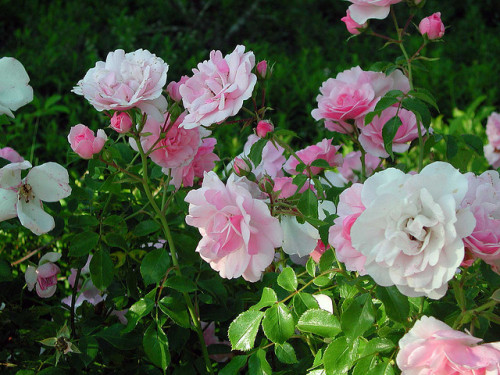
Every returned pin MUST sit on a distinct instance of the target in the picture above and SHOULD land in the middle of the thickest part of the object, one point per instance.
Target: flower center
(26, 193)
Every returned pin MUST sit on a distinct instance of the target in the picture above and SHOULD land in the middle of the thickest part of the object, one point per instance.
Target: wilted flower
(44, 277)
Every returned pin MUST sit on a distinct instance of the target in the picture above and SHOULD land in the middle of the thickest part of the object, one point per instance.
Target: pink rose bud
(83, 141)
(11, 155)
(121, 122)
(432, 26)
(173, 89)
(241, 167)
(262, 69)
(264, 127)
(352, 26)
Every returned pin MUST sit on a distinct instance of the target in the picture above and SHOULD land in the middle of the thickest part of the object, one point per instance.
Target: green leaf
(255, 154)
(278, 323)
(81, 243)
(359, 316)
(339, 356)
(114, 239)
(420, 110)
(396, 305)
(287, 279)
(234, 366)
(5, 271)
(267, 299)
(89, 347)
(451, 146)
(285, 353)
(326, 260)
(154, 266)
(385, 368)
(181, 284)
(303, 301)
(114, 336)
(365, 365)
(82, 221)
(308, 204)
(474, 143)
(386, 102)
(319, 322)
(258, 365)
(137, 311)
(320, 163)
(176, 310)
(155, 345)
(311, 267)
(425, 96)
(243, 330)
(299, 180)
(389, 131)
(101, 269)
(146, 227)
(378, 345)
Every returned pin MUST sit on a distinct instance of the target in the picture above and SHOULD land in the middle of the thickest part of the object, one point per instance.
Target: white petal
(8, 200)
(49, 257)
(300, 239)
(324, 302)
(14, 89)
(32, 216)
(10, 175)
(362, 13)
(49, 181)
(30, 277)
(49, 292)
(327, 206)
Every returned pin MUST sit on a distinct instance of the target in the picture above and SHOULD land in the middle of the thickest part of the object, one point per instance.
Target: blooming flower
(44, 277)
(173, 89)
(121, 122)
(432, 26)
(218, 87)
(11, 155)
(272, 158)
(352, 26)
(239, 234)
(363, 10)
(412, 229)
(492, 150)
(126, 80)
(321, 150)
(83, 141)
(23, 198)
(351, 165)
(432, 347)
(14, 89)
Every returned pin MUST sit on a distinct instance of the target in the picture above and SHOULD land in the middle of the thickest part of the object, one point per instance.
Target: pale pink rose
(352, 26)
(493, 130)
(272, 158)
(352, 94)
(44, 277)
(211, 339)
(121, 122)
(413, 227)
(321, 150)
(14, 89)
(126, 80)
(239, 234)
(264, 127)
(483, 199)
(84, 142)
(176, 149)
(203, 161)
(218, 87)
(432, 26)
(11, 155)
(363, 10)
(371, 134)
(173, 89)
(433, 347)
(262, 69)
(351, 165)
(286, 187)
(492, 155)
(339, 235)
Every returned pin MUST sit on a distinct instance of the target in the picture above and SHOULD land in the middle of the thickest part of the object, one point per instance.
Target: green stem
(73, 300)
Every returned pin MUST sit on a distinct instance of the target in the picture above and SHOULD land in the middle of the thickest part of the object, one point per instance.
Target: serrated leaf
(311, 267)
(308, 204)
(359, 317)
(285, 353)
(319, 322)
(155, 345)
(303, 301)
(389, 131)
(114, 239)
(154, 266)
(384, 368)
(146, 227)
(474, 143)
(243, 330)
(234, 366)
(136, 312)
(287, 279)
(255, 154)
(181, 284)
(385, 102)
(82, 243)
(101, 269)
(268, 298)
(326, 260)
(425, 96)
(320, 163)
(258, 365)
(420, 110)
(339, 356)
(364, 365)
(378, 345)
(396, 305)
(278, 323)
(176, 310)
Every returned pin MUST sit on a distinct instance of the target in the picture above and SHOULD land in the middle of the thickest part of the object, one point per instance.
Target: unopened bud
(264, 127)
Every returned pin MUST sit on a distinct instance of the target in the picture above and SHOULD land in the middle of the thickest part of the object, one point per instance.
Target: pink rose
(286, 187)
(492, 155)
(482, 199)
(363, 10)
(352, 26)
(175, 149)
(351, 166)
(432, 26)
(321, 150)
(44, 277)
(203, 161)
(173, 89)
(493, 130)
(11, 155)
(432, 347)
(352, 94)
(264, 127)
(211, 339)
(319, 251)
(339, 235)
(371, 134)
(126, 80)
(262, 69)
(239, 234)
(241, 167)
(83, 141)
(218, 87)
(121, 122)
(272, 158)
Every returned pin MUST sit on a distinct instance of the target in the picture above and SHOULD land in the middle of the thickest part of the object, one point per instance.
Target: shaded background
(58, 41)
